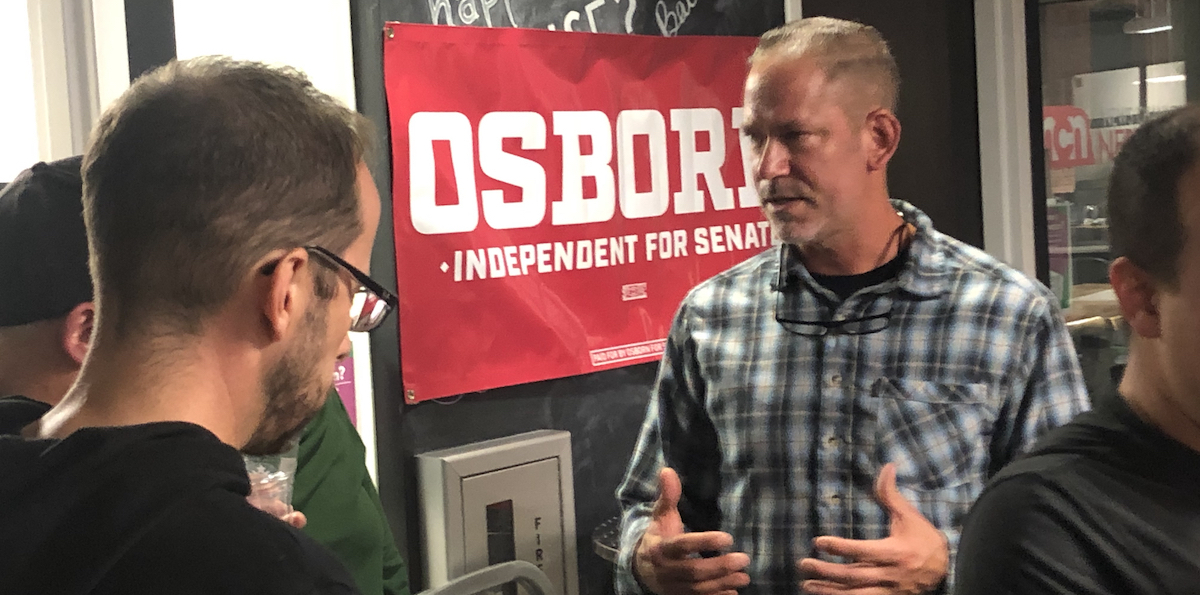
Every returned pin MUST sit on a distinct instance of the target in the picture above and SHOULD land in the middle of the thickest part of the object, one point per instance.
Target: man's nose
(772, 160)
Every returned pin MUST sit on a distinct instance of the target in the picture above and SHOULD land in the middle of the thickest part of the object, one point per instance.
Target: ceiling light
(1150, 24)
(1170, 78)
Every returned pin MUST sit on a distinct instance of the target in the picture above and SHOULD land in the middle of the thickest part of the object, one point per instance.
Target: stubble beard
(790, 229)
(293, 388)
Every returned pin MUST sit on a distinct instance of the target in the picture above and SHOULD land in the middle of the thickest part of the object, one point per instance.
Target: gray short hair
(842, 49)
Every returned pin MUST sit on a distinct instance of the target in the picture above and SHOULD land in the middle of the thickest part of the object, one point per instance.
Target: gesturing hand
(912, 559)
(668, 561)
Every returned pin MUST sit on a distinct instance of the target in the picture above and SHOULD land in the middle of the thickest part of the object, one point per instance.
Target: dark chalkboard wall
(937, 169)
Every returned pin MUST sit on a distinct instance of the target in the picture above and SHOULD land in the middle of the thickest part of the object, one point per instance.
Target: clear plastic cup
(272, 479)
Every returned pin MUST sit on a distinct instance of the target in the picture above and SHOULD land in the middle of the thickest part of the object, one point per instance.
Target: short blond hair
(843, 50)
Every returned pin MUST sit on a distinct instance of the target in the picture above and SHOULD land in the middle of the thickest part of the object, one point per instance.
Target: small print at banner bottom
(556, 195)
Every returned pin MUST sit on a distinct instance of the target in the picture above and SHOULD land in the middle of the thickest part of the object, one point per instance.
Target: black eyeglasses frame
(365, 280)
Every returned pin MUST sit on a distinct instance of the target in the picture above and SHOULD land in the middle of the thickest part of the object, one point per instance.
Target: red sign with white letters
(555, 195)
(1067, 136)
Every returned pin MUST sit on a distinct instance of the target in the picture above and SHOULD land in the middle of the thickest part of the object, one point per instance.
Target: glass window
(18, 116)
(1106, 66)
(315, 37)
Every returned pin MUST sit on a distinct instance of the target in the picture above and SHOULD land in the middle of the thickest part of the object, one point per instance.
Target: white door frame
(1005, 161)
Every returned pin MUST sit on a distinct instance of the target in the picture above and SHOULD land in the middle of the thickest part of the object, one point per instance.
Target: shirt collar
(925, 274)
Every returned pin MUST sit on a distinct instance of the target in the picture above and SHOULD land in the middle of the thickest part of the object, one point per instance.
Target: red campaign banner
(556, 195)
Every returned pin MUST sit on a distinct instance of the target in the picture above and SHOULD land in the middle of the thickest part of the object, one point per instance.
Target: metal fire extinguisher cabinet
(499, 500)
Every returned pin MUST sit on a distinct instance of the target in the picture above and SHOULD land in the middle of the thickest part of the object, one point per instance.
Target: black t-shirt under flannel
(847, 285)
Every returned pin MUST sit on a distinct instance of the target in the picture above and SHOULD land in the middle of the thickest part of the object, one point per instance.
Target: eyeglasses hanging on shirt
(875, 318)
(873, 322)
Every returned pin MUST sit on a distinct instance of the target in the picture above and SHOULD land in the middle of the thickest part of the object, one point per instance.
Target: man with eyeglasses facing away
(826, 412)
(229, 214)
(46, 317)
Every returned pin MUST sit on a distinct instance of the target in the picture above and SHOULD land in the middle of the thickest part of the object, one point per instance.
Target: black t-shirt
(153, 508)
(1106, 504)
(846, 285)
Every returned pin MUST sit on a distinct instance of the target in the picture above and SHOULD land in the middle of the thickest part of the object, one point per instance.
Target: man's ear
(77, 331)
(1137, 294)
(280, 297)
(881, 135)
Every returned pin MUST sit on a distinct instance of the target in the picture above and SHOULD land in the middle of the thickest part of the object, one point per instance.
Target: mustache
(782, 189)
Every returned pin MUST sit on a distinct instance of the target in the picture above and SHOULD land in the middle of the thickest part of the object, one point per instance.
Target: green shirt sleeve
(335, 492)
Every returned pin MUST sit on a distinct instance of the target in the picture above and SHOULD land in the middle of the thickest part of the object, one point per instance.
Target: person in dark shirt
(229, 215)
(1110, 502)
(46, 310)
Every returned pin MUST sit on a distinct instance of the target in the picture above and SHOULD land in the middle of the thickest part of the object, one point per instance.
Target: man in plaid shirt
(827, 411)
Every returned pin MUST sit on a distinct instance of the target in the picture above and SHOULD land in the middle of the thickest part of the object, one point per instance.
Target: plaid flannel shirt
(778, 405)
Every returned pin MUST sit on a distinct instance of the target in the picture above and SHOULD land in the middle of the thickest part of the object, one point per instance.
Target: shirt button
(834, 380)
(831, 440)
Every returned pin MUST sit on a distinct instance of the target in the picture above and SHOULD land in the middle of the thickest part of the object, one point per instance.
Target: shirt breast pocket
(937, 434)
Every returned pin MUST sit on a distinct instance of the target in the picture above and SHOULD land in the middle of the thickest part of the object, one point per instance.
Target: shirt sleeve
(675, 433)
(1020, 539)
(334, 490)
(395, 571)
(1048, 389)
